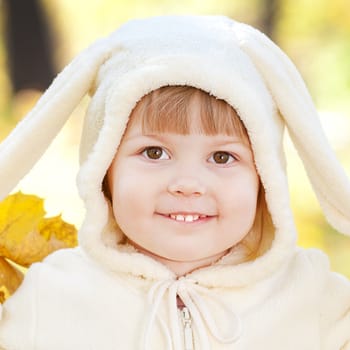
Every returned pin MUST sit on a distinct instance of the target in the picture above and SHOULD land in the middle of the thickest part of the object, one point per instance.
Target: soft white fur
(230, 60)
(233, 62)
(300, 306)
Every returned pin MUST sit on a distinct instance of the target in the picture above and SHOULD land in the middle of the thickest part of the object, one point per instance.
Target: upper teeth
(186, 218)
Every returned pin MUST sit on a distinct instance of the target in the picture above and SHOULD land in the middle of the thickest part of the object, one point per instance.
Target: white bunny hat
(231, 61)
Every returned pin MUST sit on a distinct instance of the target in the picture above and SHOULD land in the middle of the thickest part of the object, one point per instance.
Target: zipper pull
(188, 332)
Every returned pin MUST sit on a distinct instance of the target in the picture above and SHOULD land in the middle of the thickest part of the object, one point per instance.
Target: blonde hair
(168, 109)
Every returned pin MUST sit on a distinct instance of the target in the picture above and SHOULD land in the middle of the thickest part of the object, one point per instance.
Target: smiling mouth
(188, 217)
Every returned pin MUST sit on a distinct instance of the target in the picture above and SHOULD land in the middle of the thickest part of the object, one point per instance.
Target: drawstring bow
(203, 320)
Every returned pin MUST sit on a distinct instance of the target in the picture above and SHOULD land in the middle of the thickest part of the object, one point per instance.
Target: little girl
(188, 240)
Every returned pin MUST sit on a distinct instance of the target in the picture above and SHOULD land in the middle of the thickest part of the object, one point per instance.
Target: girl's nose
(186, 186)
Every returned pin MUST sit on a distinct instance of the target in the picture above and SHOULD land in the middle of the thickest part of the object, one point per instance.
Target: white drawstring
(203, 320)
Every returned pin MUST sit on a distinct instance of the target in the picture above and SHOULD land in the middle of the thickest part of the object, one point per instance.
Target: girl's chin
(181, 257)
(182, 266)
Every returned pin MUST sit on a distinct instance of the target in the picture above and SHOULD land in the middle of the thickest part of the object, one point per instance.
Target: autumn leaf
(26, 236)
(10, 279)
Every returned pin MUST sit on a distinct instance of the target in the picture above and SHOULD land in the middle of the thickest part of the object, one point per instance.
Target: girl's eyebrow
(216, 141)
(233, 140)
(227, 141)
(150, 136)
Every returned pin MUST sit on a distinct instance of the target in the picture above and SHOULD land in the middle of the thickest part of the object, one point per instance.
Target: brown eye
(155, 153)
(221, 157)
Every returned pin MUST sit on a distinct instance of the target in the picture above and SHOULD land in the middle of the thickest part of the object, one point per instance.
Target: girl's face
(183, 199)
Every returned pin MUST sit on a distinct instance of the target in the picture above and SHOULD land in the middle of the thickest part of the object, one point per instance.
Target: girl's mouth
(187, 217)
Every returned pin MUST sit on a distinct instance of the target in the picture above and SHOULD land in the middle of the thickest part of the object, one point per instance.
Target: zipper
(188, 332)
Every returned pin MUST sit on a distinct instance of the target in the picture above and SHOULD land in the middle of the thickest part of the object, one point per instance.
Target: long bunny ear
(29, 140)
(328, 178)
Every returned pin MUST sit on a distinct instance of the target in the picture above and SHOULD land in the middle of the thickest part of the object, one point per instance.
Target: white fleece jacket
(71, 302)
(104, 294)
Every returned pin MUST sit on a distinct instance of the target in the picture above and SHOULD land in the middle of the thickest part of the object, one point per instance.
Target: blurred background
(38, 38)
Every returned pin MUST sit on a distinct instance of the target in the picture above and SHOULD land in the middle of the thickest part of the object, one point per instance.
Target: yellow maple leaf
(25, 235)
(10, 279)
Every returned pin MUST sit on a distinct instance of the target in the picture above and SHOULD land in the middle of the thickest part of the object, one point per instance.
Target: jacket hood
(227, 59)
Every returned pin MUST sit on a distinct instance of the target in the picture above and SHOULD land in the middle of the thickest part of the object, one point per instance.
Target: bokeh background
(38, 38)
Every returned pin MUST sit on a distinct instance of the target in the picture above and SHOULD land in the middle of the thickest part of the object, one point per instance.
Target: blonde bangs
(168, 109)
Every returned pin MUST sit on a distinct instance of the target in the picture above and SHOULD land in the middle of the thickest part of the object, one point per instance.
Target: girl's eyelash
(154, 153)
(223, 157)
(159, 153)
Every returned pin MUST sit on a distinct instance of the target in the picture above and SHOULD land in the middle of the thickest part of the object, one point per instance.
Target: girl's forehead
(135, 135)
(185, 110)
